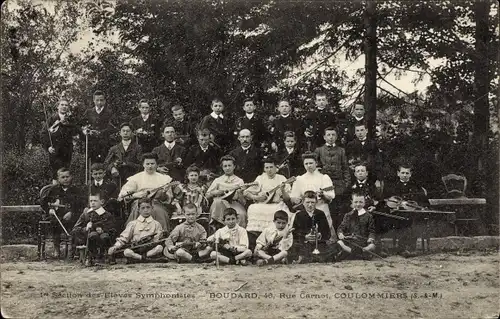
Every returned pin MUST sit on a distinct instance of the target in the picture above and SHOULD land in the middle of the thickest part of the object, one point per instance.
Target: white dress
(261, 215)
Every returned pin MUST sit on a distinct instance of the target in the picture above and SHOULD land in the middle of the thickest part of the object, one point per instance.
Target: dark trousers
(305, 249)
(96, 240)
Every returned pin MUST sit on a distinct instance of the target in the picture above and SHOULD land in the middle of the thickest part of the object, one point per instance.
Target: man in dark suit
(203, 155)
(170, 155)
(247, 156)
(147, 127)
(124, 159)
(97, 124)
(183, 125)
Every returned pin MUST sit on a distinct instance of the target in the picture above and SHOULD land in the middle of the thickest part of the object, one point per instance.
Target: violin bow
(47, 122)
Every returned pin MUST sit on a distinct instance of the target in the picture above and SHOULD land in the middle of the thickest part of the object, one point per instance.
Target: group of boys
(312, 229)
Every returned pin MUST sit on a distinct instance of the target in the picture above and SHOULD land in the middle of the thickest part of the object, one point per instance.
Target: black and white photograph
(249, 159)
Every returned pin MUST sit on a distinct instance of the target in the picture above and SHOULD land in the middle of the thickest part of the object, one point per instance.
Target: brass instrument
(316, 250)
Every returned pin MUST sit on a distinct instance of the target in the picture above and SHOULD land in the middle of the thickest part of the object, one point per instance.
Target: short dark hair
(320, 93)
(280, 214)
(362, 123)
(204, 132)
(169, 123)
(405, 164)
(309, 155)
(310, 194)
(330, 128)
(283, 99)
(97, 167)
(176, 107)
(248, 99)
(269, 160)
(190, 206)
(98, 92)
(101, 193)
(216, 100)
(126, 124)
(63, 170)
(146, 156)
(227, 158)
(357, 193)
(142, 101)
(143, 200)
(289, 134)
(228, 212)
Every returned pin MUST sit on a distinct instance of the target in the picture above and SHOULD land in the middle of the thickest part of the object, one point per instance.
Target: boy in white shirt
(274, 241)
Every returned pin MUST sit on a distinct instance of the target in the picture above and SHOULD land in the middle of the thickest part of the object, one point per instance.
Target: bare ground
(454, 285)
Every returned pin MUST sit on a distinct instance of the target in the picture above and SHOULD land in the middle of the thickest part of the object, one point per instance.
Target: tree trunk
(370, 48)
(481, 80)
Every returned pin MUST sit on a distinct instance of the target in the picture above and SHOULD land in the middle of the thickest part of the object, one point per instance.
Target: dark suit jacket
(103, 122)
(185, 129)
(295, 164)
(152, 126)
(303, 224)
(351, 127)
(317, 121)
(280, 125)
(221, 130)
(168, 158)
(334, 163)
(407, 191)
(203, 160)
(370, 153)
(62, 139)
(129, 161)
(108, 187)
(255, 125)
(74, 197)
(248, 164)
(368, 189)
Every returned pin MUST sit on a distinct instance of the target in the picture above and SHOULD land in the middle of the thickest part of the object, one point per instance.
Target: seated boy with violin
(62, 202)
(187, 242)
(274, 241)
(226, 192)
(142, 238)
(311, 233)
(231, 241)
(405, 194)
(357, 231)
(150, 184)
(95, 227)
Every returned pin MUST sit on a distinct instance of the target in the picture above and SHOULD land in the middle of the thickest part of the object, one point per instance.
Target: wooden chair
(455, 186)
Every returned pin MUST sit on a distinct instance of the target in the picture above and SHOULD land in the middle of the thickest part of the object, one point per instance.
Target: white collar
(98, 183)
(290, 149)
(126, 143)
(320, 108)
(249, 115)
(169, 145)
(332, 145)
(404, 182)
(99, 110)
(361, 182)
(358, 118)
(215, 116)
(285, 116)
(310, 214)
(364, 140)
(361, 212)
(147, 220)
(145, 117)
(204, 149)
(246, 148)
(100, 211)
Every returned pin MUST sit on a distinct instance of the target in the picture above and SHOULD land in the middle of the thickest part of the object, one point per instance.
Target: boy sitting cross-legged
(232, 241)
(187, 242)
(274, 241)
(139, 233)
(357, 230)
